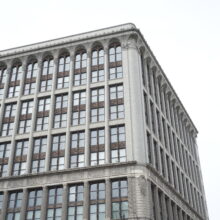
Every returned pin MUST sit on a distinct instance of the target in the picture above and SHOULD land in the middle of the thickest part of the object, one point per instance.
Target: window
(14, 82)
(43, 111)
(79, 108)
(97, 105)
(60, 113)
(54, 210)
(97, 201)
(58, 152)
(120, 199)
(77, 149)
(80, 68)
(25, 117)
(39, 154)
(115, 61)
(14, 205)
(20, 158)
(5, 149)
(75, 203)
(63, 72)
(116, 102)
(1, 201)
(47, 75)
(30, 78)
(3, 73)
(97, 146)
(118, 151)
(34, 204)
(97, 73)
(8, 119)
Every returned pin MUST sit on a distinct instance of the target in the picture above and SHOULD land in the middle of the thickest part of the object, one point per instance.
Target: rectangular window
(14, 205)
(39, 155)
(14, 81)
(25, 117)
(152, 117)
(116, 102)
(55, 200)
(97, 76)
(63, 72)
(118, 144)
(1, 201)
(77, 149)
(60, 111)
(47, 75)
(79, 108)
(97, 146)
(34, 204)
(80, 68)
(43, 110)
(97, 105)
(115, 72)
(119, 199)
(97, 201)
(20, 158)
(30, 78)
(8, 119)
(58, 152)
(5, 149)
(75, 202)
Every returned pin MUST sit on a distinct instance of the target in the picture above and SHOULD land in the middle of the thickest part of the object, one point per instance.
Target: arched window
(80, 68)
(63, 72)
(14, 83)
(30, 78)
(47, 74)
(97, 73)
(115, 61)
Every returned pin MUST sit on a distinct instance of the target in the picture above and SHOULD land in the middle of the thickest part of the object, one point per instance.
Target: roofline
(68, 39)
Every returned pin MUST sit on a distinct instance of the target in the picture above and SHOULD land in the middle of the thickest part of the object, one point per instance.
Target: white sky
(184, 36)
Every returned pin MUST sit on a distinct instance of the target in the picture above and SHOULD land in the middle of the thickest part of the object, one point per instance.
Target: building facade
(92, 129)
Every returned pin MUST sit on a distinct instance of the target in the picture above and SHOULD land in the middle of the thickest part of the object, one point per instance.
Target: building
(92, 129)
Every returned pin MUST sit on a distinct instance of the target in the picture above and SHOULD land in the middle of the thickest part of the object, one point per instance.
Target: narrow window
(30, 78)
(5, 149)
(77, 149)
(79, 108)
(60, 111)
(97, 146)
(118, 144)
(119, 199)
(55, 200)
(97, 105)
(58, 152)
(80, 68)
(39, 155)
(116, 102)
(75, 202)
(20, 158)
(25, 117)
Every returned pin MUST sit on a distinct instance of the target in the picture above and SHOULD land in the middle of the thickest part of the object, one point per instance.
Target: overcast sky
(184, 36)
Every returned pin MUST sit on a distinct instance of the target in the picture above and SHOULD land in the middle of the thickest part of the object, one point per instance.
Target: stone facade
(95, 110)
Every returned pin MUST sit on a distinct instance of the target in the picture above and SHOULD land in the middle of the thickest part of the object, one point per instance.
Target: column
(108, 199)
(86, 201)
(5, 205)
(69, 111)
(51, 116)
(24, 204)
(65, 201)
(87, 131)
(44, 203)
(107, 132)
